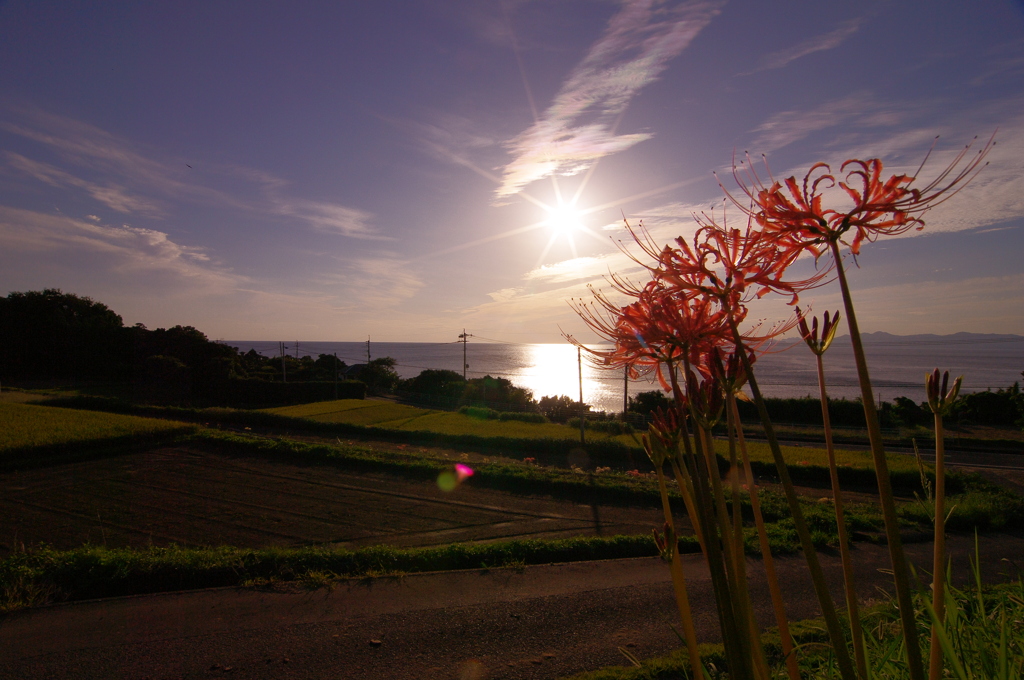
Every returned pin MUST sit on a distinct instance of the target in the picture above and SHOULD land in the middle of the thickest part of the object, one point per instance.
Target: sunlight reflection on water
(551, 369)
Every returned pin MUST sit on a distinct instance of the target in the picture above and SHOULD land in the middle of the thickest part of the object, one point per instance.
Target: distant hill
(881, 337)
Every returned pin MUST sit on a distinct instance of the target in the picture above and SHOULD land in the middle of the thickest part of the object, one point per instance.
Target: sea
(898, 365)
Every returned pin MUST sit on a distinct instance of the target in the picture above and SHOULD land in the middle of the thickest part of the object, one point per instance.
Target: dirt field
(191, 497)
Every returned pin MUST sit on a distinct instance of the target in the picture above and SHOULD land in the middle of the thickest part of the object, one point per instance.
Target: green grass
(352, 412)
(34, 434)
(807, 464)
(413, 419)
(409, 424)
(45, 575)
(985, 626)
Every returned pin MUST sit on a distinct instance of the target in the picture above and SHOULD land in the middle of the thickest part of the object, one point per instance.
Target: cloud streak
(127, 254)
(579, 126)
(113, 173)
(818, 43)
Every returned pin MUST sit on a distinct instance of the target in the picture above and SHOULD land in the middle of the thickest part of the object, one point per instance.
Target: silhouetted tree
(497, 393)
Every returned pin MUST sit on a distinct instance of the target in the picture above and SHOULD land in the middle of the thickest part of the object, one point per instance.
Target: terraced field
(192, 497)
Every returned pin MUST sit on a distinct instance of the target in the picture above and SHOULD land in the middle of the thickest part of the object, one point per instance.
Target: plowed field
(193, 497)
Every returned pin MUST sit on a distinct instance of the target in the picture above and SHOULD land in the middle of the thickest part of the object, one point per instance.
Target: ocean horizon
(898, 364)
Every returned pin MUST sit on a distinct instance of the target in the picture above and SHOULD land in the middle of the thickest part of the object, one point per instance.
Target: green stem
(778, 605)
(828, 607)
(852, 607)
(939, 561)
(900, 569)
(713, 546)
(679, 579)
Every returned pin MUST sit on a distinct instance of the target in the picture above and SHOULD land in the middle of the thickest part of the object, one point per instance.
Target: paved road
(539, 622)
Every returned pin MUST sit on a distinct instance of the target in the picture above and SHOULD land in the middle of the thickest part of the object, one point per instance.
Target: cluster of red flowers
(698, 293)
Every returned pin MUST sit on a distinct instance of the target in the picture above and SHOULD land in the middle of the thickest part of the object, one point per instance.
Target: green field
(25, 427)
(410, 418)
(393, 416)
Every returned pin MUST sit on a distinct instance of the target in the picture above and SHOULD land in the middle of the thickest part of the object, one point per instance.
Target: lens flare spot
(449, 480)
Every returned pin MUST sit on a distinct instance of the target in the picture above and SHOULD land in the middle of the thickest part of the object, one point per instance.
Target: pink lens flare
(463, 471)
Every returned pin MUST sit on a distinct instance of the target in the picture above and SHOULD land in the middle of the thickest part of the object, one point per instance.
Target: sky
(405, 169)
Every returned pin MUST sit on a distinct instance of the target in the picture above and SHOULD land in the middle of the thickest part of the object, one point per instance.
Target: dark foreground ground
(538, 622)
(189, 496)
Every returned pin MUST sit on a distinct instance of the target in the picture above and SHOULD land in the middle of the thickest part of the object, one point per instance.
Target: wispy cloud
(579, 126)
(819, 43)
(787, 127)
(369, 283)
(111, 171)
(129, 255)
(115, 197)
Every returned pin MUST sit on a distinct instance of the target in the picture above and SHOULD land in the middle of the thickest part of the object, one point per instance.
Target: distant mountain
(881, 337)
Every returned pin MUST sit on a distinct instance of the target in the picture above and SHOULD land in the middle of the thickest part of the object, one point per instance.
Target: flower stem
(828, 607)
(679, 580)
(778, 605)
(939, 562)
(852, 608)
(901, 572)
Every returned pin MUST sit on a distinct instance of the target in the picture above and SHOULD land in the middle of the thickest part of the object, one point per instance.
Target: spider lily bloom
(810, 335)
(939, 399)
(881, 206)
(707, 400)
(660, 330)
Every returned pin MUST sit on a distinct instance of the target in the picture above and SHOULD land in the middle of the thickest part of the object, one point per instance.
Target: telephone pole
(579, 366)
(625, 390)
(367, 349)
(284, 370)
(465, 339)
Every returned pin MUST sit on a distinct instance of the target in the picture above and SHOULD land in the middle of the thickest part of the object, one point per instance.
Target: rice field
(28, 426)
(412, 419)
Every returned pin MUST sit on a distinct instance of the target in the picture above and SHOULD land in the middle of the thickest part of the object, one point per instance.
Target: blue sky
(328, 171)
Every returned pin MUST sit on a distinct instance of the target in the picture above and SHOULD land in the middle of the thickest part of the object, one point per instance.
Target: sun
(564, 219)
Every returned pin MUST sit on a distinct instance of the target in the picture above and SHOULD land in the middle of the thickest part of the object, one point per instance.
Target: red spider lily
(707, 400)
(729, 371)
(940, 400)
(666, 542)
(659, 330)
(880, 206)
(730, 264)
(810, 335)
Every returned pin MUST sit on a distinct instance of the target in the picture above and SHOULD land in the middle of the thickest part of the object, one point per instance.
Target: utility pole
(625, 391)
(579, 366)
(284, 370)
(367, 349)
(335, 376)
(465, 339)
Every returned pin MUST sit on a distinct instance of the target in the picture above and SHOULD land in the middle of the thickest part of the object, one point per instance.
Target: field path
(535, 623)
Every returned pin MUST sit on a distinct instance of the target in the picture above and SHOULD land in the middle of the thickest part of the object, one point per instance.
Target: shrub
(522, 417)
(613, 427)
(560, 409)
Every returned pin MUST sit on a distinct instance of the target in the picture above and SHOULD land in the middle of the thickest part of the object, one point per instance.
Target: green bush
(522, 417)
(612, 427)
(481, 412)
